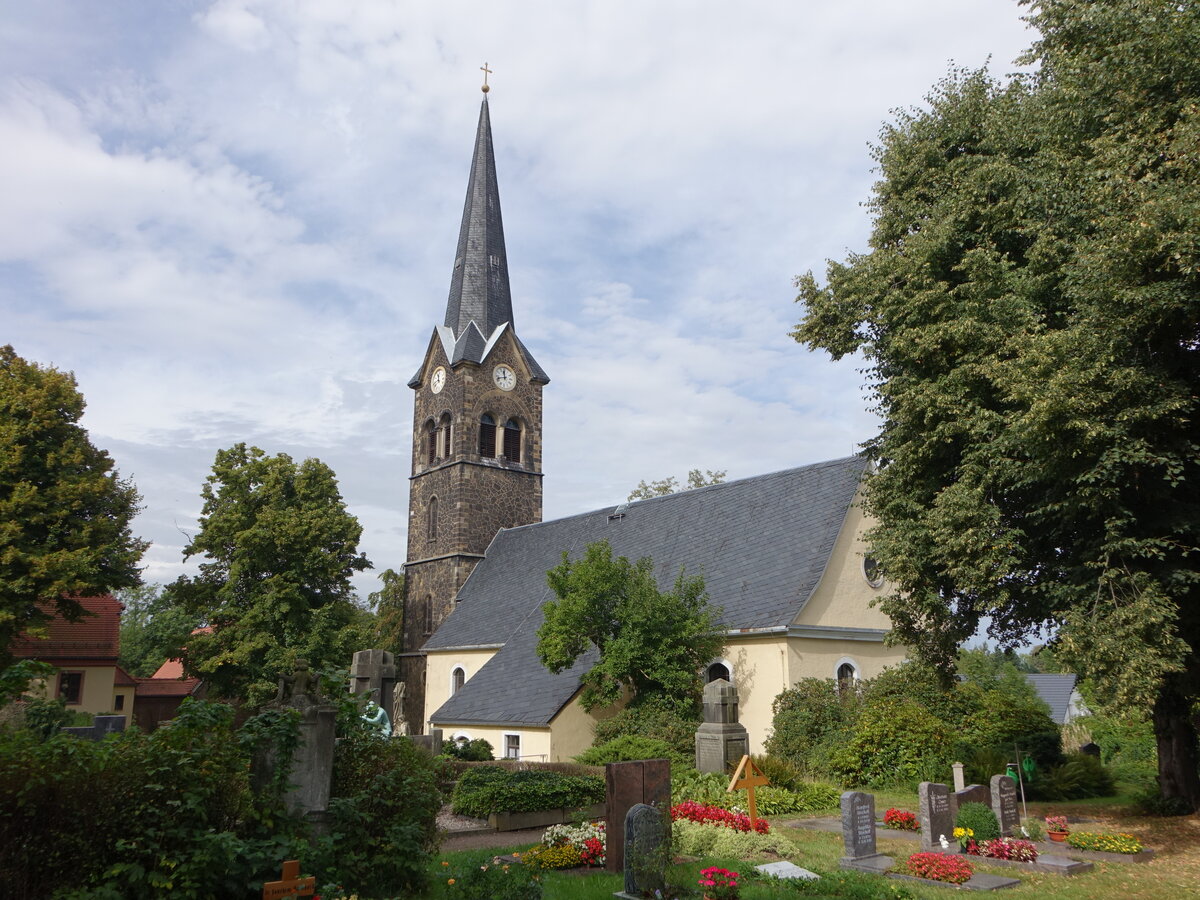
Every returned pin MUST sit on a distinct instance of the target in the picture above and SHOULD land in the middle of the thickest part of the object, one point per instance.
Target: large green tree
(153, 629)
(65, 514)
(652, 643)
(669, 485)
(388, 605)
(280, 548)
(1029, 312)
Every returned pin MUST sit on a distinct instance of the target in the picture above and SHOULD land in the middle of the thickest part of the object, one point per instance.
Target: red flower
(715, 815)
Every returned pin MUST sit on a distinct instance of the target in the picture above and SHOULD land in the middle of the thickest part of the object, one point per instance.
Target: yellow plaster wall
(535, 742)
(843, 597)
(759, 668)
(439, 665)
(818, 658)
(572, 730)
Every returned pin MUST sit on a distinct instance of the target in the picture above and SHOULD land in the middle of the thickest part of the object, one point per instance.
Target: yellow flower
(450, 881)
(444, 863)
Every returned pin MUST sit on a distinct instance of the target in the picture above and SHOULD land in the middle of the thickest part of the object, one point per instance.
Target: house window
(718, 670)
(118, 702)
(512, 746)
(457, 679)
(872, 572)
(846, 676)
(487, 437)
(70, 687)
(512, 441)
(431, 519)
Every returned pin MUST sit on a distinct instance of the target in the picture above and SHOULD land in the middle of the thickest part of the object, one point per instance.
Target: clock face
(438, 381)
(505, 378)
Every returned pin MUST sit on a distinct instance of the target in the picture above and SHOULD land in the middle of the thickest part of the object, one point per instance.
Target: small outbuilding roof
(761, 545)
(1056, 690)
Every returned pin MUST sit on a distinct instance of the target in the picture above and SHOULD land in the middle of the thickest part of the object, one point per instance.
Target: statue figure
(377, 716)
(300, 689)
(401, 724)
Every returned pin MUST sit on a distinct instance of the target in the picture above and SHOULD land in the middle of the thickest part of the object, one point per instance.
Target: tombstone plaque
(858, 824)
(1004, 803)
(934, 813)
(646, 847)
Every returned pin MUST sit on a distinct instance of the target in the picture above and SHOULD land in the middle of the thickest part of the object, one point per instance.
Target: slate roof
(761, 544)
(1056, 691)
(480, 301)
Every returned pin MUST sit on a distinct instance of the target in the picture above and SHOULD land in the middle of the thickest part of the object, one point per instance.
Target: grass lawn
(1173, 874)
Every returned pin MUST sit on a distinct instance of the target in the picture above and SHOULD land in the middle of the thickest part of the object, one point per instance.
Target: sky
(235, 221)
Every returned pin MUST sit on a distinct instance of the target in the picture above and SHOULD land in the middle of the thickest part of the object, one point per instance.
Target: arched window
(487, 437)
(445, 446)
(716, 671)
(846, 676)
(457, 679)
(512, 440)
(431, 442)
(431, 519)
(427, 617)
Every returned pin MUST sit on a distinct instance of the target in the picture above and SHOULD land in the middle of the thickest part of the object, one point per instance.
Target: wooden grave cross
(746, 778)
(290, 883)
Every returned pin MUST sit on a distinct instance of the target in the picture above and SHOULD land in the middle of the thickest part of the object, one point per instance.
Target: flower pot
(1057, 836)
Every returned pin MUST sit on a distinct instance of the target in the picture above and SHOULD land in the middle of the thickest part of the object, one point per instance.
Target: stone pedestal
(721, 741)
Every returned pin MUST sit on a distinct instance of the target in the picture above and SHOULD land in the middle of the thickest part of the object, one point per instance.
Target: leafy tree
(64, 513)
(153, 629)
(280, 549)
(695, 479)
(1028, 312)
(650, 642)
(388, 604)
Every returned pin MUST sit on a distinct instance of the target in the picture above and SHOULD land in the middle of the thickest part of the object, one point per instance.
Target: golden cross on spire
(486, 72)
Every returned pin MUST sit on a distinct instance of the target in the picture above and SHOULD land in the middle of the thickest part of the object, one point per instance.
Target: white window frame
(504, 749)
(726, 663)
(847, 661)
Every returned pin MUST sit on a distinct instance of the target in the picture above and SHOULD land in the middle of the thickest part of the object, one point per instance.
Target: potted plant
(719, 884)
(965, 837)
(1056, 827)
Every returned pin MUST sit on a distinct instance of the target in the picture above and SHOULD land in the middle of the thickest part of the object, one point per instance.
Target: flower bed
(714, 815)
(937, 867)
(1104, 843)
(901, 820)
(1005, 848)
(718, 883)
(567, 846)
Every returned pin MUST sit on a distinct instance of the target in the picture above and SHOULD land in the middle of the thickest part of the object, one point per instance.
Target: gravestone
(312, 762)
(972, 793)
(647, 847)
(787, 871)
(627, 784)
(858, 834)
(1091, 748)
(934, 813)
(432, 742)
(1004, 803)
(721, 741)
(373, 672)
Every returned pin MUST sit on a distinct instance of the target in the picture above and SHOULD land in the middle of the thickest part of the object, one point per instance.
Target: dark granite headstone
(1004, 803)
(628, 784)
(1091, 748)
(934, 814)
(647, 845)
(858, 824)
(721, 741)
(972, 793)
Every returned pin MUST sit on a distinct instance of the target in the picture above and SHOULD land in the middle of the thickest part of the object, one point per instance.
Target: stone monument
(858, 834)
(373, 672)
(1004, 803)
(721, 741)
(935, 814)
(647, 848)
(312, 762)
(399, 723)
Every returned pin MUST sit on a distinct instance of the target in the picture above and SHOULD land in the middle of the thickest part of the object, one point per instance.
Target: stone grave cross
(746, 778)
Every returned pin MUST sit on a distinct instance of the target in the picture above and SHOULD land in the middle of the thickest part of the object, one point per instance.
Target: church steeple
(479, 290)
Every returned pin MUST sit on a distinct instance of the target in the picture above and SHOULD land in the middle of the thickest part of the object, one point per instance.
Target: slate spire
(479, 290)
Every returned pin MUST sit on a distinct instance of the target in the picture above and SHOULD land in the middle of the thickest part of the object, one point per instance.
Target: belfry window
(487, 437)
(512, 440)
(431, 442)
(444, 444)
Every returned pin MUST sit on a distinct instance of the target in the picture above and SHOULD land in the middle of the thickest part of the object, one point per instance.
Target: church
(781, 554)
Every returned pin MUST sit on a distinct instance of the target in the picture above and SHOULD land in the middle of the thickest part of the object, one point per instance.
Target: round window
(872, 572)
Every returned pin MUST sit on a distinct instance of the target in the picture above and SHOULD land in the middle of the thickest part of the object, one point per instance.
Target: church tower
(477, 426)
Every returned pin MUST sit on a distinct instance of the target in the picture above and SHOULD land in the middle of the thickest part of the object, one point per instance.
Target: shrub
(1107, 843)
(651, 716)
(697, 839)
(781, 772)
(383, 813)
(1081, 776)
(563, 856)
(487, 789)
(901, 820)
(806, 718)
(980, 820)
(892, 741)
(702, 787)
(477, 750)
(938, 867)
(630, 747)
(1033, 829)
(1150, 802)
(848, 885)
